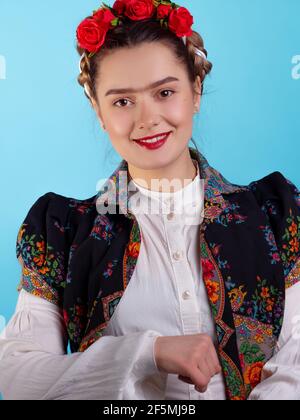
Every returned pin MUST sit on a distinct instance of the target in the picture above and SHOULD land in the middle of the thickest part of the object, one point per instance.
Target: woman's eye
(120, 101)
(167, 90)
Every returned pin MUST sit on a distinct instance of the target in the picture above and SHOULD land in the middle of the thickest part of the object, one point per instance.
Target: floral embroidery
(211, 211)
(269, 208)
(255, 343)
(212, 287)
(248, 313)
(33, 284)
(212, 276)
(75, 320)
(212, 290)
(270, 238)
(61, 228)
(110, 303)
(82, 206)
(215, 250)
(109, 268)
(237, 297)
(102, 229)
(131, 252)
(230, 215)
(71, 255)
(91, 337)
(252, 374)
(265, 304)
(293, 276)
(235, 388)
(41, 257)
(291, 239)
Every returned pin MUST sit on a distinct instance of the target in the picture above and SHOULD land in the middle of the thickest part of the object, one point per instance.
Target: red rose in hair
(90, 34)
(104, 16)
(180, 22)
(119, 6)
(139, 9)
(163, 11)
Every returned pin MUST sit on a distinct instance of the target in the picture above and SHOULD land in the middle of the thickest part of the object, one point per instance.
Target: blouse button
(177, 255)
(170, 216)
(186, 294)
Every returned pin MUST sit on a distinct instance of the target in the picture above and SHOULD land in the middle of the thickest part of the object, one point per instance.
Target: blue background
(50, 139)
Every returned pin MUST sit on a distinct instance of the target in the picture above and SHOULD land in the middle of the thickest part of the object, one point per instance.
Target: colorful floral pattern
(43, 268)
(83, 261)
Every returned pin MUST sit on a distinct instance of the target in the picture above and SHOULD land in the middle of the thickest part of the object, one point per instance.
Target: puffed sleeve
(279, 198)
(42, 247)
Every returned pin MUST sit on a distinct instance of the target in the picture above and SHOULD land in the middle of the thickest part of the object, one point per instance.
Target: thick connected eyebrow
(151, 86)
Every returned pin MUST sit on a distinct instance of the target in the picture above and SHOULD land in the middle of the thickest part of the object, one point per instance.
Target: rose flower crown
(91, 32)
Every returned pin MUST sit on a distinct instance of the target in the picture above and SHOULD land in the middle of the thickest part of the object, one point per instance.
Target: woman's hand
(192, 357)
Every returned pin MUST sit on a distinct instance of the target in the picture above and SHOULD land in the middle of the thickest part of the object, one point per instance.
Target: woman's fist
(192, 357)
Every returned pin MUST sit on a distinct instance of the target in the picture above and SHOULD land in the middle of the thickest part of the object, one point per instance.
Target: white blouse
(169, 300)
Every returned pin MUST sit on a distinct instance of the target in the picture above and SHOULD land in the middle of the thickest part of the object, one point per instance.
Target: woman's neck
(170, 178)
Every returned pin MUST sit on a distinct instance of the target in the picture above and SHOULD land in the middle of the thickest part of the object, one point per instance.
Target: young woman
(175, 285)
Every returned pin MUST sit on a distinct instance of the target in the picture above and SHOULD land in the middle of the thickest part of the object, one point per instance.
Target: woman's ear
(98, 113)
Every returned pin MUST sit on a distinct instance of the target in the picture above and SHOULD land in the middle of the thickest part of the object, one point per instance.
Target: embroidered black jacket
(82, 260)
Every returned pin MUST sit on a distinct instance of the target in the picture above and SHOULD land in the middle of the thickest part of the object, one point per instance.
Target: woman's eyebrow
(151, 86)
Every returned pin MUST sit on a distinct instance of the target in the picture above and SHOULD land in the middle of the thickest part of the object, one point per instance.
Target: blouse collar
(215, 187)
(185, 199)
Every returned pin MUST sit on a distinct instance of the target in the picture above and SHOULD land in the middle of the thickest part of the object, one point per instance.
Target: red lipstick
(154, 144)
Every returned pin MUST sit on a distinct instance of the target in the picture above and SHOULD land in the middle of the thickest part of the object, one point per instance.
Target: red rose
(163, 11)
(180, 22)
(119, 6)
(139, 9)
(90, 34)
(104, 16)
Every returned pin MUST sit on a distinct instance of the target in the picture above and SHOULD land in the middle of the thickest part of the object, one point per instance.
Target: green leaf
(55, 264)
(52, 273)
(259, 358)
(248, 359)
(244, 347)
(115, 22)
(255, 349)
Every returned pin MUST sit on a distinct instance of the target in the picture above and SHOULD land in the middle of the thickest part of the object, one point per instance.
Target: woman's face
(146, 111)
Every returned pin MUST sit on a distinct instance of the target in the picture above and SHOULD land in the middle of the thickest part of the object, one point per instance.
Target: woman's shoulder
(275, 186)
(45, 238)
(59, 208)
(59, 201)
(57, 218)
(279, 199)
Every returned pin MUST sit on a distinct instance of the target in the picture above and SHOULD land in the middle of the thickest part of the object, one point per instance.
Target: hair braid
(84, 78)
